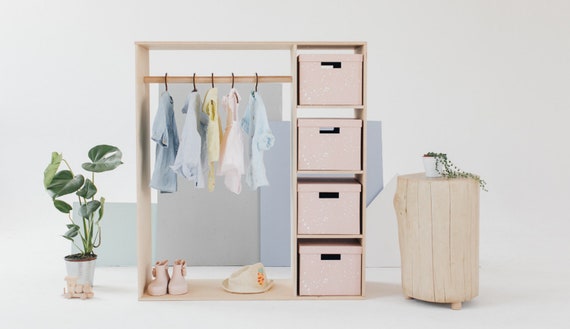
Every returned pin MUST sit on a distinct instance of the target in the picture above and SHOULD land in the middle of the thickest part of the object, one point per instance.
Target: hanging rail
(221, 79)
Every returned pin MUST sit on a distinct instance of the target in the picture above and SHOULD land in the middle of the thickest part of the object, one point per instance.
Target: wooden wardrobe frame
(211, 289)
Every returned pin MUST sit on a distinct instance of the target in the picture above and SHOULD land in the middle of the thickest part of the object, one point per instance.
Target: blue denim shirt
(166, 137)
(256, 127)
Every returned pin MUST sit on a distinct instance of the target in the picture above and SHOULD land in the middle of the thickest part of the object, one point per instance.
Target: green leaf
(62, 206)
(52, 167)
(87, 209)
(102, 209)
(72, 232)
(103, 158)
(88, 190)
(68, 238)
(64, 183)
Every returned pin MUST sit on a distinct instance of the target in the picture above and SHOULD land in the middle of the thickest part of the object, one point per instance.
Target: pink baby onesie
(231, 163)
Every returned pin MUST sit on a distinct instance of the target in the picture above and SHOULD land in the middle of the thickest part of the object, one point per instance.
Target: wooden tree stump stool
(438, 230)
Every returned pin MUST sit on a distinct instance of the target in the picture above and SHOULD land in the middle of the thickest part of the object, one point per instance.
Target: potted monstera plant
(83, 232)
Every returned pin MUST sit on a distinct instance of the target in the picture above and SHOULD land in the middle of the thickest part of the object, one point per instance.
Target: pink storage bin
(330, 79)
(328, 206)
(330, 268)
(329, 144)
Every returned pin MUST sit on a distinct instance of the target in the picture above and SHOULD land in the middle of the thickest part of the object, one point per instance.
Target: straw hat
(250, 279)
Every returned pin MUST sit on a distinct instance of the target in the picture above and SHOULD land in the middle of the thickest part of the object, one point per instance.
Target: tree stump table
(438, 231)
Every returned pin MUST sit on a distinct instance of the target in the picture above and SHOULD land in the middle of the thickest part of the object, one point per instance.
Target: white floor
(530, 298)
(524, 283)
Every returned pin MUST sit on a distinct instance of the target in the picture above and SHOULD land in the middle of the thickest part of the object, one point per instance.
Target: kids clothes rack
(208, 289)
(220, 79)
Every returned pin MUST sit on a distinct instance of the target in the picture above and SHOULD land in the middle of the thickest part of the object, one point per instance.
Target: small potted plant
(64, 182)
(438, 165)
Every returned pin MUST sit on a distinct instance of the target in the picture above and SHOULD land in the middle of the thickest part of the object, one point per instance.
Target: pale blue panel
(119, 234)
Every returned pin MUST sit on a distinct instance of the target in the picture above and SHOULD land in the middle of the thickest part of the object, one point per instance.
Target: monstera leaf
(72, 232)
(90, 207)
(63, 183)
(51, 169)
(62, 206)
(88, 190)
(103, 158)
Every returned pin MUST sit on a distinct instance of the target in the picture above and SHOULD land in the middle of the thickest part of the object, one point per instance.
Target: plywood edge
(212, 290)
(249, 45)
(212, 45)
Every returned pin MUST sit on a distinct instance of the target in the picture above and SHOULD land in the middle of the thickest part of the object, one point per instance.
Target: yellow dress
(213, 133)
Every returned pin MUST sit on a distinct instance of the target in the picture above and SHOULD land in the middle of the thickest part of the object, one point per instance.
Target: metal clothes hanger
(194, 82)
(256, 81)
(235, 94)
(165, 81)
(212, 80)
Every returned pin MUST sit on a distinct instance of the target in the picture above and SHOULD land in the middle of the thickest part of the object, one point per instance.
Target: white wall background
(487, 82)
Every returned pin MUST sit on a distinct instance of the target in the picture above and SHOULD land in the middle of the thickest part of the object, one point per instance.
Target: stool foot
(456, 306)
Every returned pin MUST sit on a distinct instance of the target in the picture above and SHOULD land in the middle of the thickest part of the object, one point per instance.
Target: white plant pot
(84, 270)
(430, 167)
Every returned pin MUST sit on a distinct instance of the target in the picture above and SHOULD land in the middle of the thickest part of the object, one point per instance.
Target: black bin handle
(334, 65)
(330, 257)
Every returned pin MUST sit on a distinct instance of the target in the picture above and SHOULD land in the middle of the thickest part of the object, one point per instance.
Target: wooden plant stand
(438, 229)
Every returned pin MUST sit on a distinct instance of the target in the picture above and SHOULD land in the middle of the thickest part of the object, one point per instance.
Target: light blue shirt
(259, 139)
(166, 137)
(188, 160)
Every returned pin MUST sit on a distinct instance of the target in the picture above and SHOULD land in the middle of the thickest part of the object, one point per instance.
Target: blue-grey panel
(275, 200)
(374, 168)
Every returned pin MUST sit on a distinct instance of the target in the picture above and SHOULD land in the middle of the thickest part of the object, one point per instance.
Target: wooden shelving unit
(347, 111)
(211, 289)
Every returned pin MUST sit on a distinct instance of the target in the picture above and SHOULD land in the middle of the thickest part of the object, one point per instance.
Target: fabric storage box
(328, 206)
(330, 79)
(329, 144)
(330, 268)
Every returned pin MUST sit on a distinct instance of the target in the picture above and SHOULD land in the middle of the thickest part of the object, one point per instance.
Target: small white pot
(430, 167)
(84, 270)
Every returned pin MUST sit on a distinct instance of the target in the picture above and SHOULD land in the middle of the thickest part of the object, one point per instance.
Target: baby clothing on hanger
(213, 133)
(259, 139)
(165, 135)
(231, 162)
(188, 162)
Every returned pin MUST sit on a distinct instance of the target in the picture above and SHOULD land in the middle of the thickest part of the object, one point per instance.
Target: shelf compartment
(329, 144)
(328, 206)
(342, 74)
(330, 268)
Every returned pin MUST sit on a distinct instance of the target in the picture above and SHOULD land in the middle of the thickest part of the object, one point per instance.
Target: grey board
(275, 200)
(208, 228)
